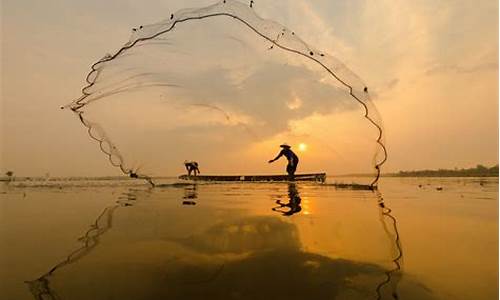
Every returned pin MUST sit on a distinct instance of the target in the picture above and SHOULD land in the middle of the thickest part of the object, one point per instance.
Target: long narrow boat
(318, 177)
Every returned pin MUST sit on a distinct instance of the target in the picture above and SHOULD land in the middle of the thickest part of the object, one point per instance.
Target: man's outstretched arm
(277, 157)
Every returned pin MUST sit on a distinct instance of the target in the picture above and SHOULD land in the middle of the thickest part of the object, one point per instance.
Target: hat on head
(285, 145)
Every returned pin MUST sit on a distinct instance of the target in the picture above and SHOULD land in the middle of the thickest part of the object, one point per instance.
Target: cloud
(249, 234)
(216, 64)
(482, 67)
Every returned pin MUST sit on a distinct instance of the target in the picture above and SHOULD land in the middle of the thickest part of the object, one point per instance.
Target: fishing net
(221, 86)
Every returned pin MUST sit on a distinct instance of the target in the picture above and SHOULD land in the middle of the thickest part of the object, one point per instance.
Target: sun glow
(302, 147)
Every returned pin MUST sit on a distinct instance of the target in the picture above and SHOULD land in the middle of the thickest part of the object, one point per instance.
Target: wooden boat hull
(317, 177)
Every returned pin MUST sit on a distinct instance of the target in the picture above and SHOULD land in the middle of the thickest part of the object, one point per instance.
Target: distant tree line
(478, 171)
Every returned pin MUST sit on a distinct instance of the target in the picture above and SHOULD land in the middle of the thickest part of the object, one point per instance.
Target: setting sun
(302, 147)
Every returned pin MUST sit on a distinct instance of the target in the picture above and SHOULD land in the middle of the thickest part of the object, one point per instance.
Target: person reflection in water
(190, 195)
(191, 167)
(293, 159)
(293, 202)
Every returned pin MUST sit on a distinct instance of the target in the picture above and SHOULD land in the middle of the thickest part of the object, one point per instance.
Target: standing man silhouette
(293, 159)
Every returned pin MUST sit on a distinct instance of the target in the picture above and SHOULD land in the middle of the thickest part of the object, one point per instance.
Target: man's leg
(291, 171)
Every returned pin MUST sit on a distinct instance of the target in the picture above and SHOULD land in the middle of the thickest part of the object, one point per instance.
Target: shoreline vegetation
(478, 171)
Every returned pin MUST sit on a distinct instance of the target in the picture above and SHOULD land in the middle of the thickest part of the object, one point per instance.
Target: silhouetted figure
(192, 167)
(293, 203)
(293, 159)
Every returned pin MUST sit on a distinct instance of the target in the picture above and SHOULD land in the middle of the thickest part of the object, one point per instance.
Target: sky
(432, 70)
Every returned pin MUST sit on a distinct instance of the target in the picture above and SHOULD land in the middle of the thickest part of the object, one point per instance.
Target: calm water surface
(124, 240)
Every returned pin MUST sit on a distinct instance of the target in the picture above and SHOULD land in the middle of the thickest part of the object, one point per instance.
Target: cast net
(221, 86)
